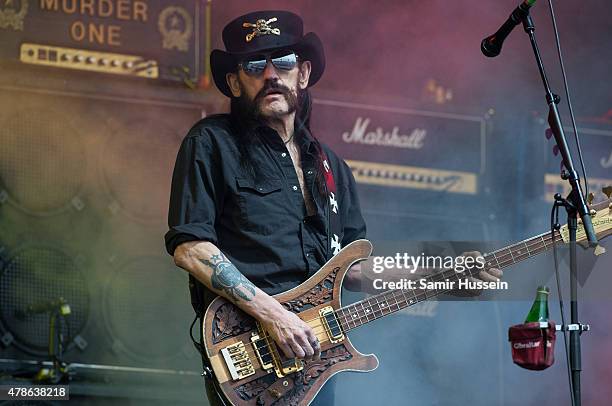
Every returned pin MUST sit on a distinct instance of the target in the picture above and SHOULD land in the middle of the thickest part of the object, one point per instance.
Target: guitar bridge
(238, 361)
(331, 325)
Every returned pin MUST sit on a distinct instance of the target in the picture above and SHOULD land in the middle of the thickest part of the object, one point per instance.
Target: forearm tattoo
(228, 279)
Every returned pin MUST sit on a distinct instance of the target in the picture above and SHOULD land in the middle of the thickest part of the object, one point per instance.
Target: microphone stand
(574, 205)
(59, 371)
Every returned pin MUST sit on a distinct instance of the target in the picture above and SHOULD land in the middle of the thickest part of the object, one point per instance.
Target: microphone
(44, 307)
(491, 46)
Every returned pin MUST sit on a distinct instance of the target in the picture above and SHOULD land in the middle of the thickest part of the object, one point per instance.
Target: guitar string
(534, 247)
(369, 310)
(541, 243)
(419, 296)
(534, 243)
(500, 262)
(537, 244)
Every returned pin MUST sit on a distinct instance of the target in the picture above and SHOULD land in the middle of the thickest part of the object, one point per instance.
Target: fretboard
(388, 302)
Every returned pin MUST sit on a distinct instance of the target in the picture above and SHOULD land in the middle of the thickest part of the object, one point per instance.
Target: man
(251, 211)
(258, 205)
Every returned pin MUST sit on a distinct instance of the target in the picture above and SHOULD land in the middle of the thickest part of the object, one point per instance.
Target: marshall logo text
(361, 135)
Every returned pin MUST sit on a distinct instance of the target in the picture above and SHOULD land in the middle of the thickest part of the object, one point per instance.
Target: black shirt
(260, 225)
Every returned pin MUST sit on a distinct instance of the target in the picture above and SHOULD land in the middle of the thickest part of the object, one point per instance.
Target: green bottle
(539, 309)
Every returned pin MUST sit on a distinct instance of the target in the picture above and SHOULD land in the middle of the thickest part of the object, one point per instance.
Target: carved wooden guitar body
(247, 363)
(226, 325)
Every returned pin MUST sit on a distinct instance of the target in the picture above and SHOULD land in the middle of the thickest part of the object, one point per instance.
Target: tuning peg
(556, 150)
(548, 133)
(590, 198)
(607, 191)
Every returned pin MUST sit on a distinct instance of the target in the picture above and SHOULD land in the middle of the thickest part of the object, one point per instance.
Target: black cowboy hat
(265, 31)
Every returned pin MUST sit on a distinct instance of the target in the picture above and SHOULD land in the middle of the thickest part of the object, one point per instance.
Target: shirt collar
(303, 135)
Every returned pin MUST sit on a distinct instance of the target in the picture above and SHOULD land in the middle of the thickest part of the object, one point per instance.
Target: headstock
(601, 216)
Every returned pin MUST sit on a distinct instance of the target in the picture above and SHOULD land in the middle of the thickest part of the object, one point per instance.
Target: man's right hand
(208, 264)
(294, 337)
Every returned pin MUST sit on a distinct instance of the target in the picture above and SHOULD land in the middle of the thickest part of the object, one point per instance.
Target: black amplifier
(415, 169)
(406, 148)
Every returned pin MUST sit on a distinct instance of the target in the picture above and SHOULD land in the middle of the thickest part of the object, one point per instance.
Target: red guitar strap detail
(335, 225)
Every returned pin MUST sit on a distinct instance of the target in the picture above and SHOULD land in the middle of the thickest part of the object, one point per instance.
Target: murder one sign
(106, 13)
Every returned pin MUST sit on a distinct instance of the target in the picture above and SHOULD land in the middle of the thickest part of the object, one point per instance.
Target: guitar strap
(334, 235)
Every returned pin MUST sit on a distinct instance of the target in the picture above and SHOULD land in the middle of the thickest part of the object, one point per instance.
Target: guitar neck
(388, 302)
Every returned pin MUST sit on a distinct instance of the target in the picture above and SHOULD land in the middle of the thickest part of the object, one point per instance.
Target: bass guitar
(250, 369)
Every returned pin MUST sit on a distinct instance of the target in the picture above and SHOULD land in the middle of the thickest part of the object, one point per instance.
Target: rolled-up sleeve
(196, 192)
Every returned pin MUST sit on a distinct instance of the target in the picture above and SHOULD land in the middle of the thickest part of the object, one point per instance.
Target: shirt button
(307, 255)
(294, 187)
(284, 154)
(309, 172)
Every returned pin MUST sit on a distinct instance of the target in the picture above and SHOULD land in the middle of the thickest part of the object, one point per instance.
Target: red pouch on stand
(533, 347)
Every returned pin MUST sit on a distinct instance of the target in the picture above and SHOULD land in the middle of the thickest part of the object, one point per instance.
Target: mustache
(271, 86)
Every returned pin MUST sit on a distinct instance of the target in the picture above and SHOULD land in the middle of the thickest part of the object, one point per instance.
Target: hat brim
(309, 48)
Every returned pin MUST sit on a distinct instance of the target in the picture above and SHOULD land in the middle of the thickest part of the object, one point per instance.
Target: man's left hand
(486, 274)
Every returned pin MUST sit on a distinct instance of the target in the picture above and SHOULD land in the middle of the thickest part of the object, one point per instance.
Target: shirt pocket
(261, 204)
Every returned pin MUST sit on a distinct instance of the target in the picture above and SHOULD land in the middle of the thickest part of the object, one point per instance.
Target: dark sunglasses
(256, 64)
